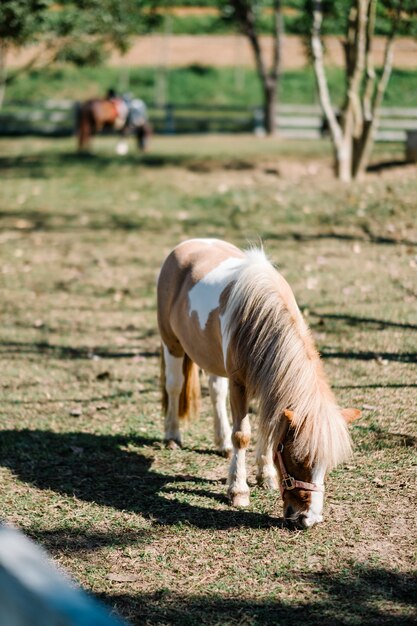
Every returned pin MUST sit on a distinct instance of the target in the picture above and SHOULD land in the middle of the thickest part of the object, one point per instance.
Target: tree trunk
(362, 147)
(340, 149)
(3, 71)
(352, 135)
(343, 159)
(269, 76)
(361, 159)
(270, 107)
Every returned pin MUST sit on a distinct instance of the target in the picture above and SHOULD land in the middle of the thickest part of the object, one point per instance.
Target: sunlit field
(83, 467)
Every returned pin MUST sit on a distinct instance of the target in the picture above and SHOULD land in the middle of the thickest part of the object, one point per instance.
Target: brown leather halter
(288, 483)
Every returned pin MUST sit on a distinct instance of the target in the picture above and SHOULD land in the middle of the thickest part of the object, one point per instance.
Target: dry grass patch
(82, 465)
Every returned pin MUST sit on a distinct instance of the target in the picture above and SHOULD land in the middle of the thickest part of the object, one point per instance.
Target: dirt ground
(83, 467)
(232, 50)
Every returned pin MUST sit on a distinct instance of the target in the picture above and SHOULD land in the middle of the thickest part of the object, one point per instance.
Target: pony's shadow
(108, 470)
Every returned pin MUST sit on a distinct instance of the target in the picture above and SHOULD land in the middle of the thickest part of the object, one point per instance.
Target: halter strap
(288, 482)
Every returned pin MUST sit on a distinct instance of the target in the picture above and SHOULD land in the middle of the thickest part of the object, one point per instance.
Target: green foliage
(78, 31)
(207, 24)
(296, 15)
(82, 52)
(21, 21)
(191, 85)
(336, 16)
(88, 28)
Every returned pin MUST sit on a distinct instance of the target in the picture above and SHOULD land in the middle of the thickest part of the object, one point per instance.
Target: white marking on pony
(218, 387)
(224, 329)
(238, 490)
(267, 475)
(174, 380)
(204, 297)
(314, 513)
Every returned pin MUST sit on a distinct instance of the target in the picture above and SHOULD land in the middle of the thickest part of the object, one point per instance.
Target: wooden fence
(57, 118)
(307, 122)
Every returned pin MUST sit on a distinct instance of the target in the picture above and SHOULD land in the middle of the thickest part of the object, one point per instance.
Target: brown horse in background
(95, 115)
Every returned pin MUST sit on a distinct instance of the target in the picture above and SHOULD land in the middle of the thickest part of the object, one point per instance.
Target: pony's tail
(189, 405)
(189, 401)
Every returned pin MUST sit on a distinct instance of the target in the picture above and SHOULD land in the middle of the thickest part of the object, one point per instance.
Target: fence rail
(57, 118)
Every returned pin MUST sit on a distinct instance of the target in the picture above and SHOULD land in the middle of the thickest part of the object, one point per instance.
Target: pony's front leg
(238, 490)
(218, 387)
(267, 475)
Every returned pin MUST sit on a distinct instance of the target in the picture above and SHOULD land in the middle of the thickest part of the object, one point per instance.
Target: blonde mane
(274, 346)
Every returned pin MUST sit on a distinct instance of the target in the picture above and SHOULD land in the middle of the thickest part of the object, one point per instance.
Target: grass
(192, 85)
(82, 463)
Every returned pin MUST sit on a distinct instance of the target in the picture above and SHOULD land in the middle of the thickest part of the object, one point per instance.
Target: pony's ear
(289, 415)
(350, 415)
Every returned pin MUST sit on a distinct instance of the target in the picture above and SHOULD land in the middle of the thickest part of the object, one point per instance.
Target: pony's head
(302, 478)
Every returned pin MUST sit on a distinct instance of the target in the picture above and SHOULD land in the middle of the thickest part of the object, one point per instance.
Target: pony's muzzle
(300, 521)
(289, 512)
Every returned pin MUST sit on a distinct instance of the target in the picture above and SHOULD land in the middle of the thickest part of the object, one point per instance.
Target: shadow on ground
(362, 595)
(69, 352)
(370, 355)
(388, 165)
(380, 438)
(117, 471)
(110, 470)
(33, 220)
(36, 165)
(353, 320)
(103, 469)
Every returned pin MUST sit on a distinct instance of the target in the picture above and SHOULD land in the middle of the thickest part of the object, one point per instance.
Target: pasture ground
(83, 469)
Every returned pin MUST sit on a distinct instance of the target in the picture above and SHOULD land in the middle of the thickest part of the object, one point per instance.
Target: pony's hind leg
(218, 387)
(267, 475)
(173, 383)
(238, 490)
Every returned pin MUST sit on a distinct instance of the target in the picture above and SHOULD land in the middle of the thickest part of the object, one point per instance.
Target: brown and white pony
(233, 315)
(94, 115)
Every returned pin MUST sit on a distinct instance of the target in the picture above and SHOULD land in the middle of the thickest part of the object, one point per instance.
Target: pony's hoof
(172, 444)
(227, 454)
(240, 500)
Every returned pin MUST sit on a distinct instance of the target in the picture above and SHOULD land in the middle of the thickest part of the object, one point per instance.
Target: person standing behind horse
(137, 120)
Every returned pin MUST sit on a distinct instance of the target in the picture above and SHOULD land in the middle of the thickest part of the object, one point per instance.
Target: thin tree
(245, 13)
(353, 130)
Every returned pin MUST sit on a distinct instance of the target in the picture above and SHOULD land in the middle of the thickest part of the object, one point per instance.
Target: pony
(121, 114)
(232, 314)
